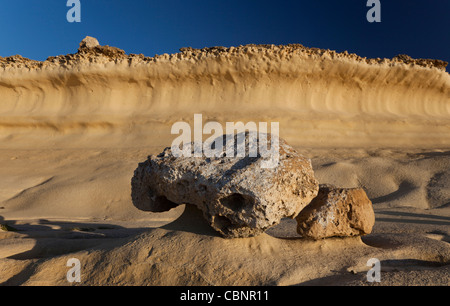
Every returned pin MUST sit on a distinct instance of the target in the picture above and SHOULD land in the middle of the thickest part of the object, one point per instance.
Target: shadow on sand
(52, 239)
(414, 218)
(192, 221)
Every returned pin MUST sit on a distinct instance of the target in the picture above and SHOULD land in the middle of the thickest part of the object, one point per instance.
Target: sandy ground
(72, 134)
(76, 204)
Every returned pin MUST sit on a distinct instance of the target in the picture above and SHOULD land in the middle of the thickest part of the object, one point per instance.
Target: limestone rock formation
(338, 212)
(238, 197)
(106, 54)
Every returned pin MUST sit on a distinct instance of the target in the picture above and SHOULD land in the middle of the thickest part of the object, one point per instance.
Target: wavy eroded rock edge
(320, 97)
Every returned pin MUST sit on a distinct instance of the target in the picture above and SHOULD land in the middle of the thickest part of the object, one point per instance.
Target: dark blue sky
(38, 29)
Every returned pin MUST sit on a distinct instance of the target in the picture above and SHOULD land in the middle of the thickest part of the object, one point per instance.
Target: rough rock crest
(89, 52)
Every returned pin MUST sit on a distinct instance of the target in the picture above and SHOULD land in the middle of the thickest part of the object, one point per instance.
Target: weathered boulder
(238, 196)
(89, 42)
(337, 212)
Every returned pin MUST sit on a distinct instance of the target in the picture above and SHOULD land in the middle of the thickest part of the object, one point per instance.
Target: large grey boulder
(239, 196)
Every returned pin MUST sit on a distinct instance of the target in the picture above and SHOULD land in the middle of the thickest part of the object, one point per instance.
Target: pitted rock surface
(238, 197)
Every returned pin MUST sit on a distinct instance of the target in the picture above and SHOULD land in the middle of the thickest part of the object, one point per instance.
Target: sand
(73, 132)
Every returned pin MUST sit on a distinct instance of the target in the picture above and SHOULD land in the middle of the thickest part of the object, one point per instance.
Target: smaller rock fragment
(336, 212)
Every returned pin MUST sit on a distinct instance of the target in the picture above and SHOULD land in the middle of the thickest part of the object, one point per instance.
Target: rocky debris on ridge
(238, 197)
(18, 61)
(403, 58)
(91, 51)
(340, 212)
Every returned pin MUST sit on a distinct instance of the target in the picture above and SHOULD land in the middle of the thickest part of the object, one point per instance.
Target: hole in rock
(222, 222)
(183, 183)
(202, 188)
(350, 212)
(182, 186)
(236, 201)
(162, 204)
